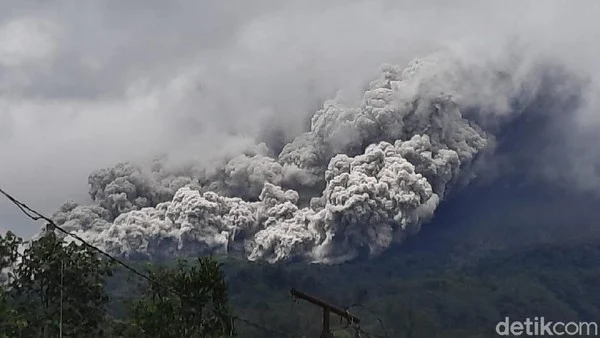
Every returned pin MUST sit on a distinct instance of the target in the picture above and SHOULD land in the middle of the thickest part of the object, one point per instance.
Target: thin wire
(376, 316)
(62, 278)
(266, 329)
(36, 216)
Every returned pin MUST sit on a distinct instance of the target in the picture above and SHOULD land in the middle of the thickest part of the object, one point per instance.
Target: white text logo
(541, 327)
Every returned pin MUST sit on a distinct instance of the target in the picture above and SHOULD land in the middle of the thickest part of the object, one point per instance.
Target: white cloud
(26, 41)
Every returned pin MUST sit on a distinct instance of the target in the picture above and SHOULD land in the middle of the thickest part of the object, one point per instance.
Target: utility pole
(49, 228)
(327, 309)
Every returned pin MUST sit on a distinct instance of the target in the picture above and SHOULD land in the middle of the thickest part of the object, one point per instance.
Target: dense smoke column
(384, 166)
(126, 187)
(396, 106)
(370, 201)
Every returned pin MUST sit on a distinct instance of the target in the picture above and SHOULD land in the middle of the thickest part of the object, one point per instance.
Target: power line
(369, 335)
(376, 316)
(36, 216)
(263, 328)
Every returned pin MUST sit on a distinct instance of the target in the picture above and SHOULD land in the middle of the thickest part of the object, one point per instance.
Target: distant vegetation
(400, 294)
(417, 298)
(455, 279)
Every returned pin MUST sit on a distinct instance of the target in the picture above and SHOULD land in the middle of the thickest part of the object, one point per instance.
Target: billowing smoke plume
(383, 166)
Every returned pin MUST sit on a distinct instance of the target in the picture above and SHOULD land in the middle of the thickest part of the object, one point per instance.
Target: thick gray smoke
(385, 165)
(257, 162)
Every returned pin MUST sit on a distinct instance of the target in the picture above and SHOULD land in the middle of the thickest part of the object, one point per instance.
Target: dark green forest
(480, 261)
(399, 295)
(415, 297)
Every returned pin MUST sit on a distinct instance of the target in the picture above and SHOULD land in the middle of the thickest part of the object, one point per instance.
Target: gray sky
(84, 84)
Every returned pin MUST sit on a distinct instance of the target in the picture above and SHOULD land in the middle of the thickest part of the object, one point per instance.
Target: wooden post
(325, 331)
(327, 309)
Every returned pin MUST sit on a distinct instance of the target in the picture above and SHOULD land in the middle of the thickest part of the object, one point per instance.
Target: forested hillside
(477, 263)
(495, 251)
(405, 293)
(414, 294)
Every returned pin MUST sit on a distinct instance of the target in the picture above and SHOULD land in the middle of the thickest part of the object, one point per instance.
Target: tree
(58, 286)
(11, 322)
(9, 251)
(188, 301)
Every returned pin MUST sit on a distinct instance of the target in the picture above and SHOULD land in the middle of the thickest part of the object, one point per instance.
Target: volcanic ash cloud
(385, 165)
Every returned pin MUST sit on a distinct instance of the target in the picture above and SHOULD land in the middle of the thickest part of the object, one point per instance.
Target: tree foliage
(60, 286)
(11, 321)
(53, 286)
(162, 311)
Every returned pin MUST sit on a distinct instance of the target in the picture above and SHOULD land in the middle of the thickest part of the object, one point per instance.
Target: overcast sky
(84, 84)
